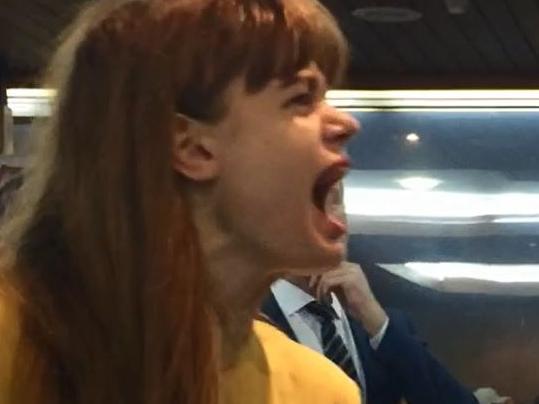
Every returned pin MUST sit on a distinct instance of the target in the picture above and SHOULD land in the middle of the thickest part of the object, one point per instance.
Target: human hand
(349, 283)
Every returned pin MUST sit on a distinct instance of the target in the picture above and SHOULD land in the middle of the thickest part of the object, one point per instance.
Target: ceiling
(28, 33)
(495, 43)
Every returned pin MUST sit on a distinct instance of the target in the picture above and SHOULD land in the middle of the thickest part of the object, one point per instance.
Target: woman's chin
(320, 260)
(331, 251)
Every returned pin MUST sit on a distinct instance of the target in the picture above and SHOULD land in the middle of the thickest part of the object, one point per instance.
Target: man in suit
(338, 315)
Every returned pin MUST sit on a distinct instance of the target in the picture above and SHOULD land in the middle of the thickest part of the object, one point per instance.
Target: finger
(345, 269)
(313, 280)
(348, 264)
(352, 267)
(321, 290)
(319, 286)
(342, 278)
(334, 286)
(314, 284)
(338, 269)
(342, 267)
(327, 285)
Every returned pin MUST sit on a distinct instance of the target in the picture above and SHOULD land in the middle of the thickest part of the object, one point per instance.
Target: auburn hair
(107, 277)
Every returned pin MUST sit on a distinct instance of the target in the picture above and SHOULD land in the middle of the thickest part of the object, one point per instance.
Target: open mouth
(327, 199)
(325, 191)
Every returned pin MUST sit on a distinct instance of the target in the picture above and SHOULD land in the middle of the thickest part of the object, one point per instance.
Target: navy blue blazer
(401, 367)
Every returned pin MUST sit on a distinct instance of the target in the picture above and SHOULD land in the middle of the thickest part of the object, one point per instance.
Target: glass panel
(443, 209)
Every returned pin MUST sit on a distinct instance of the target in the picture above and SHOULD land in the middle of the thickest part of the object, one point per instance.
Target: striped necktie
(332, 343)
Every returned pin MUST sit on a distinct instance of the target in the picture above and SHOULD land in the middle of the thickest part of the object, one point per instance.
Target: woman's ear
(194, 150)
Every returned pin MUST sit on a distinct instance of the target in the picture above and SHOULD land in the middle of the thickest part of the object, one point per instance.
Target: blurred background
(443, 199)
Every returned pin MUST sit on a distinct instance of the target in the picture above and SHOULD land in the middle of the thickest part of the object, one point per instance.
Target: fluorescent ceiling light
(372, 100)
(433, 109)
(467, 277)
(517, 219)
(434, 98)
(419, 183)
(435, 103)
(489, 272)
(30, 92)
(30, 102)
(362, 94)
(413, 137)
(433, 94)
(438, 204)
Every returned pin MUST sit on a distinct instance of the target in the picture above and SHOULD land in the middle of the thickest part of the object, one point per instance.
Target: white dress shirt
(307, 327)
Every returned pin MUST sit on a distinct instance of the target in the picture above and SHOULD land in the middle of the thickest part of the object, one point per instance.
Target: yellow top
(9, 333)
(276, 370)
(272, 370)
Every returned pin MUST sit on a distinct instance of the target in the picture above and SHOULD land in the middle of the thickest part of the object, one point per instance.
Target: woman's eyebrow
(313, 81)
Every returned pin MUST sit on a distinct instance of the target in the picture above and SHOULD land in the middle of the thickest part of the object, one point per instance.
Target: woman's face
(278, 153)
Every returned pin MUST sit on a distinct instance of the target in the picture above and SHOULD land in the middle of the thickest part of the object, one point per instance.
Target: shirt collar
(292, 299)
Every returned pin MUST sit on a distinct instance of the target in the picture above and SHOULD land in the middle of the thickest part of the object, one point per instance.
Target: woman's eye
(301, 100)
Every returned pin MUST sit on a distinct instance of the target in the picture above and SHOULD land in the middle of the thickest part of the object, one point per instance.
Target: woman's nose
(340, 126)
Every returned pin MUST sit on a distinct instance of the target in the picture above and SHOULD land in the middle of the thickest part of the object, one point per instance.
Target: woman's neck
(239, 280)
(302, 282)
(239, 287)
